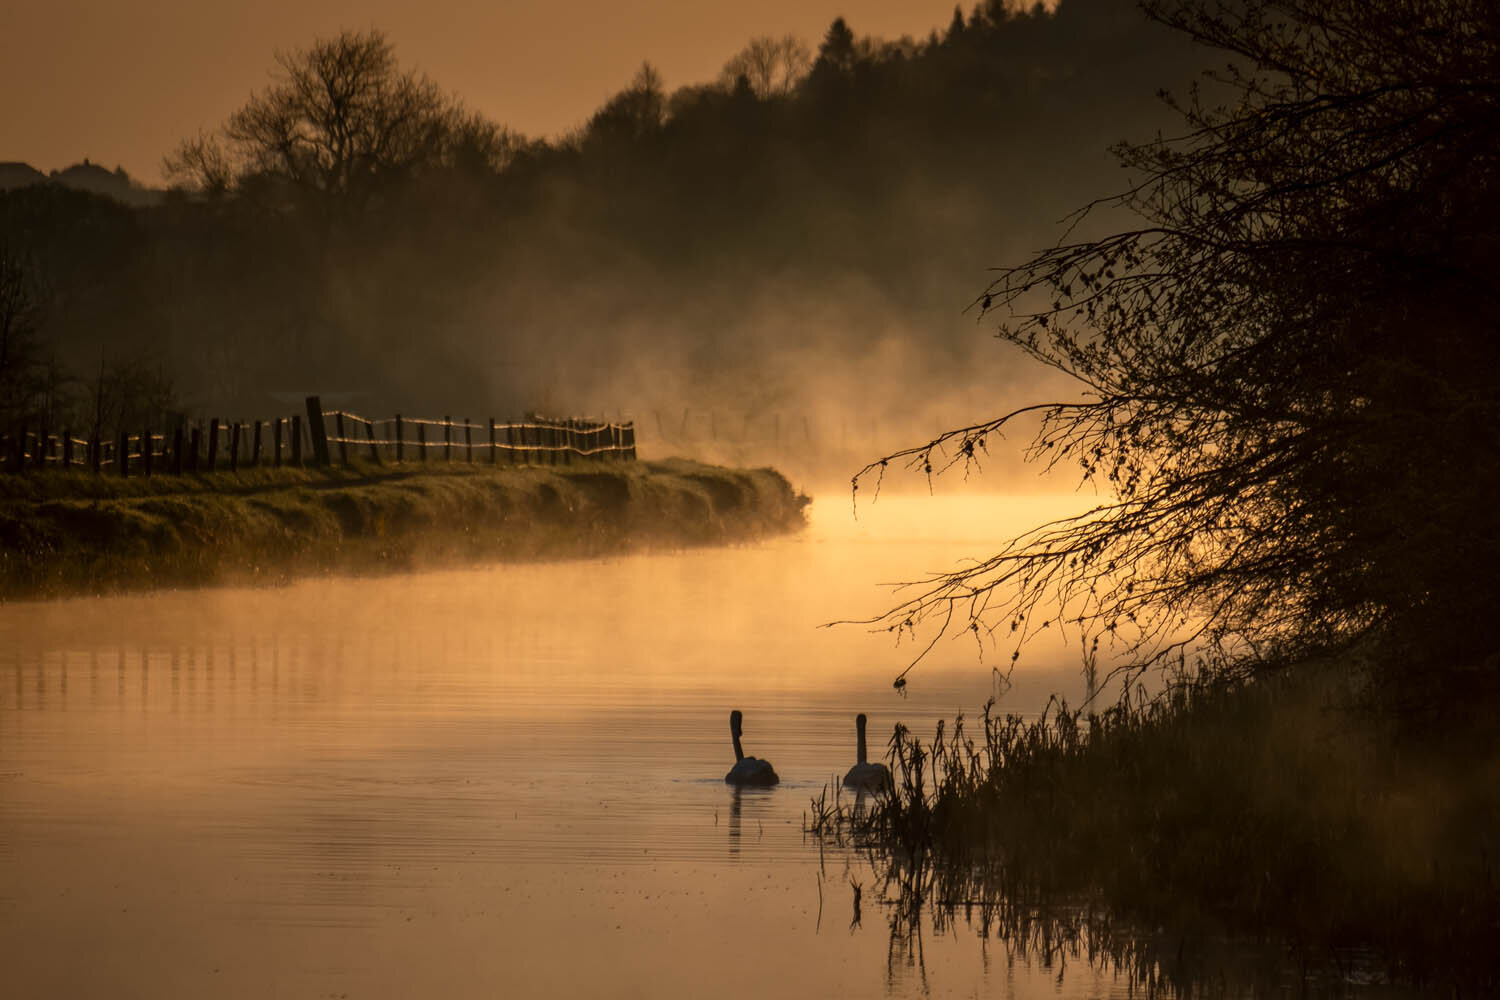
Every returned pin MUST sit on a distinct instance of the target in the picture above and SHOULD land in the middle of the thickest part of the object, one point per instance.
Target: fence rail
(325, 437)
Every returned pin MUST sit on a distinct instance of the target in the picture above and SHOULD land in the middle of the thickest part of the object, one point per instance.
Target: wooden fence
(323, 438)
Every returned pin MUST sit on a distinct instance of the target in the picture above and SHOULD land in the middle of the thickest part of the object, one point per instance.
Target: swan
(747, 770)
(865, 776)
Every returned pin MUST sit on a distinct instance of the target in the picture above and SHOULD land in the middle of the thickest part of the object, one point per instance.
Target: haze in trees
(801, 245)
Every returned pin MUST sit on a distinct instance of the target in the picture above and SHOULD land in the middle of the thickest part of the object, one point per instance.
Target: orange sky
(122, 82)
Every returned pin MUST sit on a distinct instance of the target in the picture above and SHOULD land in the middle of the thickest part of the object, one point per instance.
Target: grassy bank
(75, 533)
(1271, 812)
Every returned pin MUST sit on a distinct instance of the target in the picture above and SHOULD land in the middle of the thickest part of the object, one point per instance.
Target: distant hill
(14, 175)
(84, 176)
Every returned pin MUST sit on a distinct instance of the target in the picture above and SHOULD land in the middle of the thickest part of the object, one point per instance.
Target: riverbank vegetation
(1282, 383)
(1224, 817)
(76, 533)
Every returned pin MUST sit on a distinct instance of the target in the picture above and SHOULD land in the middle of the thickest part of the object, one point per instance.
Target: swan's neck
(859, 729)
(739, 754)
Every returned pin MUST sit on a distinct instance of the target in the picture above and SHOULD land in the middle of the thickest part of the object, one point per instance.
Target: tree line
(354, 227)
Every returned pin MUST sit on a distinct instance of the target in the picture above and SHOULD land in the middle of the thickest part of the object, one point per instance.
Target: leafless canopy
(772, 66)
(1285, 372)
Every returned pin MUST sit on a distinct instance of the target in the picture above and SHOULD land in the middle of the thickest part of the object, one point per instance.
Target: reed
(1273, 809)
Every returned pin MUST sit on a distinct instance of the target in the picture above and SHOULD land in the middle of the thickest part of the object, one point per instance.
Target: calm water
(495, 781)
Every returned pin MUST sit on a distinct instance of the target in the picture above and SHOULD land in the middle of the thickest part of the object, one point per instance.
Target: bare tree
(772, 66)
(1286, 374)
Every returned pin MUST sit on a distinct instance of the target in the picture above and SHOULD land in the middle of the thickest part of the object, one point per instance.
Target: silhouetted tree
(772, 67)
(1286, 372)
(837, 53)
(21, 304)
(634, 113)
(955, 26)
(341, 123)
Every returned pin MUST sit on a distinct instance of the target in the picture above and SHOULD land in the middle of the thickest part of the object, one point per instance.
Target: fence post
(370, 433)
(510, 443)
(39, 457)
(276, 433)
(629, 439)
(468, 441)
(146, 446)
(195, 447)
(68, 449)
(422, 441)
(400, 443)
(96, 451)
(297, 440)
(255, 448)
(318, 431)
(122, 455)
(447, 438)
(234, 447)
(338, 426)
(494, 454)
(213, 444)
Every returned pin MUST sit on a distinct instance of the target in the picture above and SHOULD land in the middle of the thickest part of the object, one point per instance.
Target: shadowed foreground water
(501, 781)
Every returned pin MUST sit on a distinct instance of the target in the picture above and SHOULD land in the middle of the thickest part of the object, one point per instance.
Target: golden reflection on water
(490, 781)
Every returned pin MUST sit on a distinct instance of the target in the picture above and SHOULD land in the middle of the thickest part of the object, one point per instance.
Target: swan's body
(747, 770)
(864, 776)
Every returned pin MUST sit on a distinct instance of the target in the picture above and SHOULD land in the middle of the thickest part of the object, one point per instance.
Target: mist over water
(463, 781)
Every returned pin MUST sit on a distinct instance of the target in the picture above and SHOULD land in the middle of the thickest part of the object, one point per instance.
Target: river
(490, 781)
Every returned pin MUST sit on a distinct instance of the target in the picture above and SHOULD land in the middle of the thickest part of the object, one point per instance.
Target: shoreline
(73, 534)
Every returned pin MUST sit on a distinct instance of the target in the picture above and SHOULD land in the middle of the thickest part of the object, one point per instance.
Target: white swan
(864, 776)
(747, 770)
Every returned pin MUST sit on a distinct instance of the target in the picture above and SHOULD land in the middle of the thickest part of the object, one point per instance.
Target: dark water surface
(498, 781)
